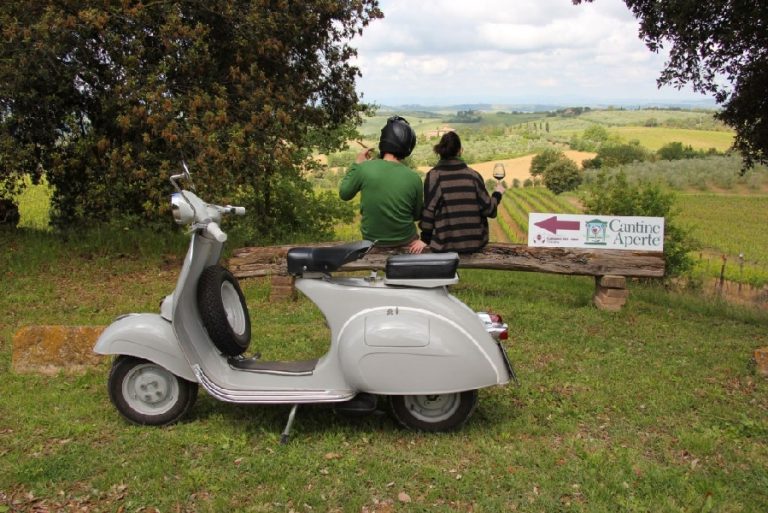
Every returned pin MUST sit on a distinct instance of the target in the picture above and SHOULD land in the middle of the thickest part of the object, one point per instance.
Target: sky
(447, 52)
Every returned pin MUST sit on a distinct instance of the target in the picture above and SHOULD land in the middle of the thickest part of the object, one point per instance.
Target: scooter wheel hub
(150, 389)
(433, 408)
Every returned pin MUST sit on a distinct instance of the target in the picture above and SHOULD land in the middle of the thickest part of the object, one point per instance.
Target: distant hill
(426, 110)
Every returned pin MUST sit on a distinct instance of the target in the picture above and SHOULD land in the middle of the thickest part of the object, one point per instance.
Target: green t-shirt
(391, 199)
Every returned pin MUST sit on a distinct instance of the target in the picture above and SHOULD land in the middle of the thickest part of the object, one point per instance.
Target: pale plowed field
(519, 168)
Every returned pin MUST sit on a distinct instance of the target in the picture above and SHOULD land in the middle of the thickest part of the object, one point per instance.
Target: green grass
(654, 408)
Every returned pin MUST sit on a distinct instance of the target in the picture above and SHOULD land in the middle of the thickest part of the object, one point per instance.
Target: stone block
(611, 304)
(761, 359)
(613, 293)
(281, 288)
(611, 281)
(53, 349)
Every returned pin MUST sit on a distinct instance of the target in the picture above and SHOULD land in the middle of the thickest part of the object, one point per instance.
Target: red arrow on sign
(552, 224)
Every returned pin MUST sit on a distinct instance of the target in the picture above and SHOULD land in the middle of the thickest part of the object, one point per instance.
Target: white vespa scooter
(402, 336)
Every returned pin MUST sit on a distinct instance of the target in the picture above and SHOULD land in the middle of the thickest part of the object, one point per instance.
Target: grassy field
(654, 408)
(654, 138)
(610, 416)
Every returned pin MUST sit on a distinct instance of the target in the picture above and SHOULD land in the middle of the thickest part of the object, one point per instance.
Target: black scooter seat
(441, 266)
(324, 259)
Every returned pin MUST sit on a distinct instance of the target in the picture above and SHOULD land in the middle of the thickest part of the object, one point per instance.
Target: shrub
(543, 160)
(613, 194)
(618, 154)
(561, 176)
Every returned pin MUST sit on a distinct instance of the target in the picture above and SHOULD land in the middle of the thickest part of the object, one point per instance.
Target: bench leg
(282, 287)
(611, 292)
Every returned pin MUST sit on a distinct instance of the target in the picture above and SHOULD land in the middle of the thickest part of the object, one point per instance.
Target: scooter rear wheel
(148, 394)
(438, 412)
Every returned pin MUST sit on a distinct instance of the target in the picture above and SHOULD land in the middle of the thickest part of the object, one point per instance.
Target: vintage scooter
(401, 336)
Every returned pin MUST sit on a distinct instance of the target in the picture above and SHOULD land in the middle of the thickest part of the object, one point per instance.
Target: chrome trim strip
(269, 396)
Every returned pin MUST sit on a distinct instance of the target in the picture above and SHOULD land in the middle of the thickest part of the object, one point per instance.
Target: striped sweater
(456, 208)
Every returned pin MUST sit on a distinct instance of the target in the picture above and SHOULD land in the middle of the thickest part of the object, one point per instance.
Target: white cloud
(497, 51)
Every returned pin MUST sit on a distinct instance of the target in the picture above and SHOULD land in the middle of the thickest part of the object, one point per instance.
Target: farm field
(729, 226)
(654, 138)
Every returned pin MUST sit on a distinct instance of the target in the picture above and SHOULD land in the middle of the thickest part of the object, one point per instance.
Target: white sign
(596, 232)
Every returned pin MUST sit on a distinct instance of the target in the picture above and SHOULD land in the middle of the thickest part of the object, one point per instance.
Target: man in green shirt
(391, 194)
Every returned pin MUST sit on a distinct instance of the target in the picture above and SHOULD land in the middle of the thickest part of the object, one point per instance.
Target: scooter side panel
(438, 356)
(147, 336)
(390, 340)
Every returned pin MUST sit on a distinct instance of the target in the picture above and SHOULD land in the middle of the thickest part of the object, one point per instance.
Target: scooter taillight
(496, 318)
(494, 325)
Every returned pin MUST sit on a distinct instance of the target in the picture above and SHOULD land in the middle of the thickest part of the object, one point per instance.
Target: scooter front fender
(147, 336)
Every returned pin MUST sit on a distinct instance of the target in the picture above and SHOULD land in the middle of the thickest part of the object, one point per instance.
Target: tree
(711, 41)
(562, 175)
(106, 98)
(612, 155)
(543, 160)
(596, 133)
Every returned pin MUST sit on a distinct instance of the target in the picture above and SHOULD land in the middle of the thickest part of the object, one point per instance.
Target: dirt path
(519, 168)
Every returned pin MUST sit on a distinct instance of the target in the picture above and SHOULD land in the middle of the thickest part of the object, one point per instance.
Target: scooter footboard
(413, 351)
(147, 336)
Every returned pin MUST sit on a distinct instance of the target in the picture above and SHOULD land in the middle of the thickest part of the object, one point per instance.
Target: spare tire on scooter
(223, 310)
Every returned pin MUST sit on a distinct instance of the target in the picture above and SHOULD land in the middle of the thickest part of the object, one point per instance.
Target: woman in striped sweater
(456, 203)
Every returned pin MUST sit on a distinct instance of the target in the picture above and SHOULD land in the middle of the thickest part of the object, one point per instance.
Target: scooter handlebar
(214, 231)
(238, 211)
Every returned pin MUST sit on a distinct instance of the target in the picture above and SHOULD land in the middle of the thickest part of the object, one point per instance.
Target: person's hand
(365, 154)
(500, 188)
(416, 247)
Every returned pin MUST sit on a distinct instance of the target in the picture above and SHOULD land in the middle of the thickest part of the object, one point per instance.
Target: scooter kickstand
(287, 431)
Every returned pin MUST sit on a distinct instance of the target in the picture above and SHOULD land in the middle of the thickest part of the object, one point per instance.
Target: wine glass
(498, 171)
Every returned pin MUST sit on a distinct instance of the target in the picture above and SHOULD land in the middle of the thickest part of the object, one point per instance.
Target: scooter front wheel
(148, 394)
(438, 412)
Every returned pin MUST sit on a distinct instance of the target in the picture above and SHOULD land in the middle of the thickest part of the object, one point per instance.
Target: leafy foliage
(541, 161)
(465, 116)
(677, 151)
(558, 172)
(613, 155)
(711, 41)
(613, 194)
(561, 176)
(105, 99)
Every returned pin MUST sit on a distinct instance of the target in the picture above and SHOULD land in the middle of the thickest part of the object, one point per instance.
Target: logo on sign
(596, 232)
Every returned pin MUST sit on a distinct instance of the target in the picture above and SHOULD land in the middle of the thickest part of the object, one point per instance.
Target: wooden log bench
(611, 268)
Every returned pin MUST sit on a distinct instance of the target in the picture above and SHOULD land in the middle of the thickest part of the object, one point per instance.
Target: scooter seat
(324, 259)
(425, 266)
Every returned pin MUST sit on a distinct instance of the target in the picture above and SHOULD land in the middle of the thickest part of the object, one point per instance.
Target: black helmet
(397, 138)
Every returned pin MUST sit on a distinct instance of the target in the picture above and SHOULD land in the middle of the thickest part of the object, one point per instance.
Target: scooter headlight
(182, 210)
